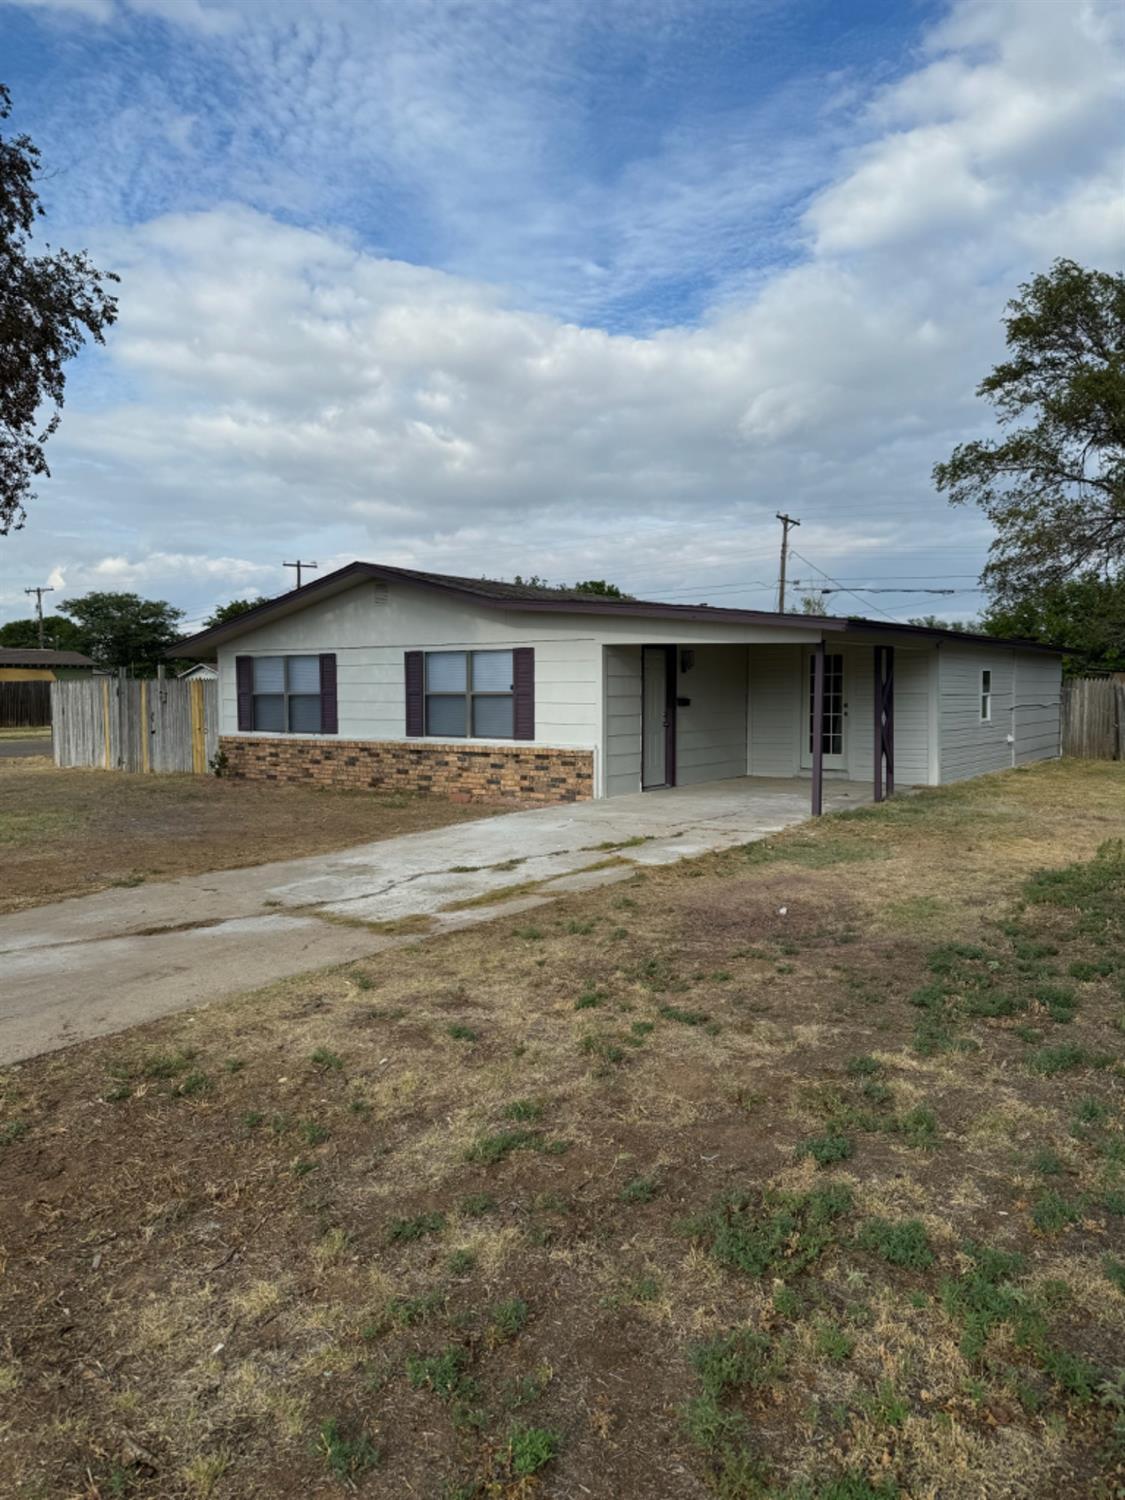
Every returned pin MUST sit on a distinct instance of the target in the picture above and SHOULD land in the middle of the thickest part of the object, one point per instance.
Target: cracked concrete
(100, 963)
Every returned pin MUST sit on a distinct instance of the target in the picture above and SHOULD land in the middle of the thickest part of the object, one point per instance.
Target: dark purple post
(818, 730)
(884, 720)
(877, 698)
(889, 721)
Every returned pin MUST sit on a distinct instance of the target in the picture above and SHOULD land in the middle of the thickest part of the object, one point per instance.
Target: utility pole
(299, 565)
(786, 522)
(39, 608)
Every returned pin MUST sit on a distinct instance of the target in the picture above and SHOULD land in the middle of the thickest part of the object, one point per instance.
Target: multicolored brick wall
(464, 772)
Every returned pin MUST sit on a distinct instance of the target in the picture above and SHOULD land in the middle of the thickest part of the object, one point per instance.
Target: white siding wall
(622, 720)
(711, 731)
(776, 680)
(1038, 690)
(779, 707)
(968, 746)
(371, 626)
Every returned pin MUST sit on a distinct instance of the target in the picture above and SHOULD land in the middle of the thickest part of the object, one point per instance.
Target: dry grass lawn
(67, 832)
(795, 1171)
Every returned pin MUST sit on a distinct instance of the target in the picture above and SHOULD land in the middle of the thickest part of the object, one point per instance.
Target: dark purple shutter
(523, 688)
(244, 682)
(415, 693)
(328, 709)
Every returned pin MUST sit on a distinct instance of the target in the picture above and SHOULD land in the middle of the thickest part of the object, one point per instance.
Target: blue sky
(582, 289)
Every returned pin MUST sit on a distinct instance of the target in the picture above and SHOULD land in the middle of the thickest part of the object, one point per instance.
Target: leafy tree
(812, 603)
(49, 305)
(1053, 484)
(124, 630)
(935, 622)
(230, 611)
(1086, 614)
(598, 586)
(602, 588)
(59, 633)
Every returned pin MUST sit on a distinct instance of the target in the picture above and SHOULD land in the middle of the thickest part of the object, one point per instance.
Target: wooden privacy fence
(1093, 718)
(24, 705)
(119, 724)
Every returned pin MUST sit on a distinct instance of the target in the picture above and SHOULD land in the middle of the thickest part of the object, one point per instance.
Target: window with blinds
(286, 694)
(469, 695)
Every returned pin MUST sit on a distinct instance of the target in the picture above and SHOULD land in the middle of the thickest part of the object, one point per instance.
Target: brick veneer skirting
(464, 772)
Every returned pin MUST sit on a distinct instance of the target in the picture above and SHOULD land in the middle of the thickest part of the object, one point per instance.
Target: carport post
(818, 730)
(884, 696)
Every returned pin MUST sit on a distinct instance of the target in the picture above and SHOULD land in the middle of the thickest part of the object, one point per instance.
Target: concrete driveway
(99, 963)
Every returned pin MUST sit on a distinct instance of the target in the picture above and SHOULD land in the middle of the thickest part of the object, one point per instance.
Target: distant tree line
(116, 630)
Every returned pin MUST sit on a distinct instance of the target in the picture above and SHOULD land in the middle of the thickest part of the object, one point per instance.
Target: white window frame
(986, 695)
(470, 694)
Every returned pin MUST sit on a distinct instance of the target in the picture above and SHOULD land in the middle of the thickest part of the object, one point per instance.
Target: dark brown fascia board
(931, 632)
(332, 583)
(205, 641)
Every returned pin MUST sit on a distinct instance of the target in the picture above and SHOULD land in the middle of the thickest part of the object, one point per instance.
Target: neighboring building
(30, 664)
(386, 677)
(203, 671)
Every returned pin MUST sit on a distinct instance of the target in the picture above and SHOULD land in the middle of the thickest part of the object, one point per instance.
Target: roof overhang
(206, 642)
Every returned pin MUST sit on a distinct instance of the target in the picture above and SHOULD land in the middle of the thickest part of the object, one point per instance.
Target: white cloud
(274, 390)
(1018, 98)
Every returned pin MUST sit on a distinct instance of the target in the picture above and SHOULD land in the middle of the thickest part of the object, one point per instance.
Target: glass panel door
(833, 744)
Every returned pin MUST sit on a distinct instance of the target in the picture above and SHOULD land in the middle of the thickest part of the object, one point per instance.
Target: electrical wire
(794, 553)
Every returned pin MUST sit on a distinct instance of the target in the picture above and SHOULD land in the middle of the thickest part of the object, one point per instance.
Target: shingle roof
(32, 656)
(533, 597)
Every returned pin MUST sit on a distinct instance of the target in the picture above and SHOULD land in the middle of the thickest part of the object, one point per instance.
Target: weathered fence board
(1093, 718)
(24, 704)
(121, 725)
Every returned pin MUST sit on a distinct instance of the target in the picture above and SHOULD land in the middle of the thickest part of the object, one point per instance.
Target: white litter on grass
(783, 911)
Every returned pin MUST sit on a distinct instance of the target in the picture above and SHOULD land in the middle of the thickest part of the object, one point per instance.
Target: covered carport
(807, 711)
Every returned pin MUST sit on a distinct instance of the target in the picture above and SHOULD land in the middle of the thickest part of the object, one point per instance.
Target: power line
(836, 581)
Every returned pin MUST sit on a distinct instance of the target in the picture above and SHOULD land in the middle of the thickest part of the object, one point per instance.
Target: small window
(986, 696)
(287, 694)
(469, 695)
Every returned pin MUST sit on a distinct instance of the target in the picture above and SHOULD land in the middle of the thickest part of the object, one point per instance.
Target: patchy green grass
(903, 1244)
(822, 1206)
(346, 1456)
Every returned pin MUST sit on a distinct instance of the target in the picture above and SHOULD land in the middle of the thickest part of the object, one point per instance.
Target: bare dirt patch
(69, 832)
(795, 1171)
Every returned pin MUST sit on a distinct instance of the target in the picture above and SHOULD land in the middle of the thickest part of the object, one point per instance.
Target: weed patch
(903, 1244)
(772, 1232)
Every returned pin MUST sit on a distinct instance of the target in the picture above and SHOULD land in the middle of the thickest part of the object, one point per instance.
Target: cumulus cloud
(278, 388)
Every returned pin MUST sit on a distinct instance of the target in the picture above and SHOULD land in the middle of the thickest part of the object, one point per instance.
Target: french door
(833, 740)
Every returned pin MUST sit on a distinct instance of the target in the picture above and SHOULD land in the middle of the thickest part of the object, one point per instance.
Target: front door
(834, 734)
(657, 718)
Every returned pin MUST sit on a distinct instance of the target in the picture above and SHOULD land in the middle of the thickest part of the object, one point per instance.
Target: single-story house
(202, 671)
(32, 664)
(376, 676)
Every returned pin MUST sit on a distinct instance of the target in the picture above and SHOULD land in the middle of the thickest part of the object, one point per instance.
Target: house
(202, 671)
(376, 676)
(32, 664)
